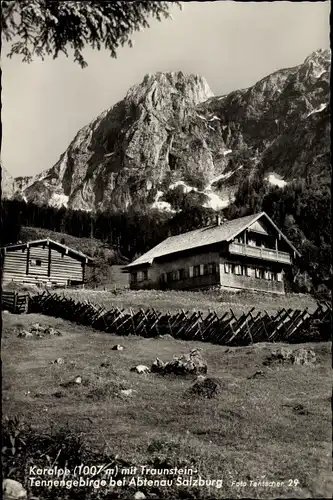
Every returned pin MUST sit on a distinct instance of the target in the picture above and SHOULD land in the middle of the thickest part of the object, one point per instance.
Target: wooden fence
(14, 302)
(293, 326)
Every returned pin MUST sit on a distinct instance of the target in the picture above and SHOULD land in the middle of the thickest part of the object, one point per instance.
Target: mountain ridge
(170, 131)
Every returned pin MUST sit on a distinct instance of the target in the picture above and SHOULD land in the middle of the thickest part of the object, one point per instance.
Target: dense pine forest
(302, 210)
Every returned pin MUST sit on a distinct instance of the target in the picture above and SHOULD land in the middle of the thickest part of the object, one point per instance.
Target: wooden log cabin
(248, 253)
(43, 261)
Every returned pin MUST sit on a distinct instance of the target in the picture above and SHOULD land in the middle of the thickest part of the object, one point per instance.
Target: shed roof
(46, 241)
(203, 237)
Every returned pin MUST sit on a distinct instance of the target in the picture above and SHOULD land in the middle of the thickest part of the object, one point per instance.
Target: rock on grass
(13, 490)
(300, 356)
(192, 363)
(205, 387)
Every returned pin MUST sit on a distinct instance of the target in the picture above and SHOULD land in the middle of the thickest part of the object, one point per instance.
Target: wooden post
(28, 258)
(49, 262)
(15, 302)
(276, 248)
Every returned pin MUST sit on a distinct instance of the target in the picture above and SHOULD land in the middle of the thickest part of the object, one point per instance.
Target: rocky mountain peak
(170, 131)
(169, 86)
(315, 65)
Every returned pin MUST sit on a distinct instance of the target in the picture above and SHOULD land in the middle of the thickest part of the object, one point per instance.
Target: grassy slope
(249, 431)
(85, 245)
(175, 300)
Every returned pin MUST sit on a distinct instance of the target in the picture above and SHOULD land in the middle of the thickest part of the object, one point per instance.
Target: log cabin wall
(38, 261)
(41, 264)
(64, 267)
(14, 265)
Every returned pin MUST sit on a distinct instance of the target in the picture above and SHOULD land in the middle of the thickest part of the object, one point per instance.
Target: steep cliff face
(171, 130)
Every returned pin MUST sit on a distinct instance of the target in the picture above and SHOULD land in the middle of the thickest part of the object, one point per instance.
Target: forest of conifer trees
(302, 210)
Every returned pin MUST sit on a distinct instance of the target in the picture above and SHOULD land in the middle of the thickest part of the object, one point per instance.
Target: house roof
(203, 237)
(47, 241)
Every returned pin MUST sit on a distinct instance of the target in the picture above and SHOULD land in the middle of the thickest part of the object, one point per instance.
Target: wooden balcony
(260, 253)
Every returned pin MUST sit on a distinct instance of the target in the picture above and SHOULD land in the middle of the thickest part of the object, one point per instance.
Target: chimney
(218, 220)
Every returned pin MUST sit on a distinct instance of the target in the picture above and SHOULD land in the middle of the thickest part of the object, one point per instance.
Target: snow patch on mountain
(161, 205)
(318, 110)
(186, 187)
(276, 180)
(215, 202)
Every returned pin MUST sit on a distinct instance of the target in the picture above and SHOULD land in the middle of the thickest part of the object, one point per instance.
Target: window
(190, 271)
(169, 277)
(258, 273)
(175, 275)
(249, 271)
(238, 269)
(134, 277)
(279, 276)
(182, 274)
(145, 274)
(267, 275)
(227, 268)
(196, 271)
(210, 268)
(243, 270)
(35, 262)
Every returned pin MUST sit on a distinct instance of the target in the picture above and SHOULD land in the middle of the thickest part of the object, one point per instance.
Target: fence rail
(14, 302)
(293, 326)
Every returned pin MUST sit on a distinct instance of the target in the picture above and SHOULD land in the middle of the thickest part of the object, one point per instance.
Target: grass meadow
(274, 425)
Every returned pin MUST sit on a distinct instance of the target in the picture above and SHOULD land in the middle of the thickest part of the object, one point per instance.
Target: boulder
(117, 347)
(191, 363)
(51, 331)
(304, 356)
(35, 327)
(25, 334)
(58, 361)
(126, 392)
(140, 369)
(205, 387)
(301, 356)
(157, 366)
(139, 496)
(13, 490)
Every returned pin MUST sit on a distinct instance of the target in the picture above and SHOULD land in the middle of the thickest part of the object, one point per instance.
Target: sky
(231, 44)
